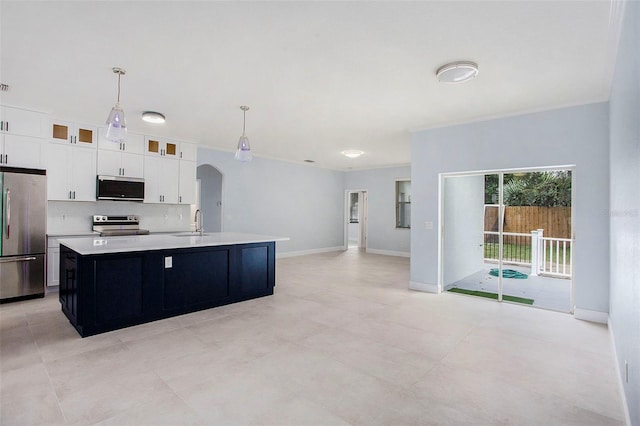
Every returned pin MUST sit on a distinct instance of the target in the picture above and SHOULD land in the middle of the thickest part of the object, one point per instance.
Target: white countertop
(101, 245)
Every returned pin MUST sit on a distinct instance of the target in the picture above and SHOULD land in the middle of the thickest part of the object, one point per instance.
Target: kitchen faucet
(198, 223)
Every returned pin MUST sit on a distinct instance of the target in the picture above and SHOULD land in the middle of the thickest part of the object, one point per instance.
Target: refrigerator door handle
(18, 259)
(8, 214)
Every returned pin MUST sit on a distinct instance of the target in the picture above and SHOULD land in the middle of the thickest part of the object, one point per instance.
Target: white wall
(463, 220)
(624, 314)
(280, 198)
(382, 235)
(66, 217)
(577, 135)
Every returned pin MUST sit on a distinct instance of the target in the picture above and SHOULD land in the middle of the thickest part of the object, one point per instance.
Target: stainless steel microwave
(119, 188)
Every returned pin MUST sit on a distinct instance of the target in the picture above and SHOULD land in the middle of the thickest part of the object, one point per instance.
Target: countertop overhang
(102, 245)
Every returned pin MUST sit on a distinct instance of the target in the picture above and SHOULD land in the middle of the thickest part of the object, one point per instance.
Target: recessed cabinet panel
(161, 147)
(73, 133)
(17, 121)
(118, 289)
(60, 132)
(21, 151)
(71, 173)
(153, 146)
(187, 182)
(134, 143)
(132, 165)
(188, 151)
(161, 177)
(86, 135)
(207, 273)
(255, 279)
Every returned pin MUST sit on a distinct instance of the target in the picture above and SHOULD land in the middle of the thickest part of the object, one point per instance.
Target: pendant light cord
(244, 120)
(119, 75)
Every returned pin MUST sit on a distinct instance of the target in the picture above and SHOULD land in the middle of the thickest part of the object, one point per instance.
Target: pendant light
(116, 125)
(244, 151)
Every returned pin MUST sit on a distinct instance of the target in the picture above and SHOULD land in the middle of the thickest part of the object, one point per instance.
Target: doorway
(507, 235)
(356, 220)
(209, 197)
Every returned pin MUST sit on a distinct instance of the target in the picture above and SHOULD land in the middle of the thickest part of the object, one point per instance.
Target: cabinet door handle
(6, 126)
(74, 195)
(69, 195)
(124, 146)
(123, 171)
(6, 159)
(180, 198)
(1, 125)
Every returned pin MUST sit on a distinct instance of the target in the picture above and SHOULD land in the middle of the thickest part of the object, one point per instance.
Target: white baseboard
(280, 255)
(427, 288)
(625, 405)
(389, 252)
(592, 316)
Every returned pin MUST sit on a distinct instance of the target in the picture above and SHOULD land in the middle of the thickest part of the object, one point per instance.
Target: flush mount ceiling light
(352, 153)
(244, 150)
(457, 72)
(116, 125)
(153, 117)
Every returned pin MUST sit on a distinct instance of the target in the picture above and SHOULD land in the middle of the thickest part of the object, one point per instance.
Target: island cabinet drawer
(104, 292)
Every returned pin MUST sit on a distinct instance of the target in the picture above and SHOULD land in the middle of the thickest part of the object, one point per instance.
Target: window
(403, 204)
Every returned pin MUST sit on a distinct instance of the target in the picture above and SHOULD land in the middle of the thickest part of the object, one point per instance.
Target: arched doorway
(210, 197)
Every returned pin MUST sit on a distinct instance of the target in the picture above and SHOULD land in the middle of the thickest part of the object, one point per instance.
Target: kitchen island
(116, 282)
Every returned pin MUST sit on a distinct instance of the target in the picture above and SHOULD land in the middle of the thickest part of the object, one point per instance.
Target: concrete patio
(547, 292)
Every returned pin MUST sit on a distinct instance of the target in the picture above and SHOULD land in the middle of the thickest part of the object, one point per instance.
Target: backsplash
(65, 217)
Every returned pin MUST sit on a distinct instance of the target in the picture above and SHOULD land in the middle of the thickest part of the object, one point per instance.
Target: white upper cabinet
(21, 151)
(17, 121)
(121, 159)
(161, 147)
(134, 143)
(188, 151)
(161, 177)
(73, 133)
(187, 184)
(71, 173)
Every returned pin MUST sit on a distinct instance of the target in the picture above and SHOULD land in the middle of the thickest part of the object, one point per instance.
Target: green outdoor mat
(508, 273)
(492, 295)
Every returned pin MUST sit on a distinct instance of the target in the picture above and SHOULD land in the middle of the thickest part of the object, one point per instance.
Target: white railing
(547, 256)
(516, 249)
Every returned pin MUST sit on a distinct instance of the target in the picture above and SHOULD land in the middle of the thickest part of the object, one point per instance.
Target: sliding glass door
(507, 236)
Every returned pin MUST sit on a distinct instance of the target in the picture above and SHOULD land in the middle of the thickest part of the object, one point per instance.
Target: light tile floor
(342, 341)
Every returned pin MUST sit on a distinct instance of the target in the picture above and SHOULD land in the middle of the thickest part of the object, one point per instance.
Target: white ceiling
(320, 77)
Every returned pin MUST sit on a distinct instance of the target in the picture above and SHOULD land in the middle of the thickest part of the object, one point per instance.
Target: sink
(195, 234)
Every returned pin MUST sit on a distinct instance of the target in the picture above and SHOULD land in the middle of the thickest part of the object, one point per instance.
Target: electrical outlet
(168, 262)
(428, 225)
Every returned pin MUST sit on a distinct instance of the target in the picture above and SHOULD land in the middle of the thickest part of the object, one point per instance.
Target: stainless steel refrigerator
(23, 224)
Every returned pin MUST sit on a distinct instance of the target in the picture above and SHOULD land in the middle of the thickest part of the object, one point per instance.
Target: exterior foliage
(542, 189)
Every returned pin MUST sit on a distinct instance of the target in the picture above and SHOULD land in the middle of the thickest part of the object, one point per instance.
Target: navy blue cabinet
(105, 292)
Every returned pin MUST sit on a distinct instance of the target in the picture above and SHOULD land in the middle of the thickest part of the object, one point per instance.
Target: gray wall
(577, 135)
(463, 221)
(382, 235)
(280, 198)
(210, 197)
(624, 315)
